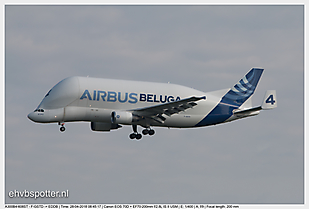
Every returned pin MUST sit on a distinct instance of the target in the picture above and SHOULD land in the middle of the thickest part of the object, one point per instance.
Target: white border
(158, 2)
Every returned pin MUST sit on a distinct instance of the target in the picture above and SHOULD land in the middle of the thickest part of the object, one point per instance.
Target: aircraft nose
(31, 116)
(39, 116)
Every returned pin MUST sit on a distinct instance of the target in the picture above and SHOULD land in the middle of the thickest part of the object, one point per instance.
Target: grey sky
(255, 160)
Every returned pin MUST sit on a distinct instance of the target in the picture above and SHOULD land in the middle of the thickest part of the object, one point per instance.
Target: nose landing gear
(62, 128)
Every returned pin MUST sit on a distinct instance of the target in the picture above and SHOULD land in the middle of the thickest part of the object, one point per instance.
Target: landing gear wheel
(145, 131)
(135, 134)
(62, 128)
(132, 136)
(138, 136)
(151, 132)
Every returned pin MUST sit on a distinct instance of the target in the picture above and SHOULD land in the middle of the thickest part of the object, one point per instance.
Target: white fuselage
(107, 104)
(94, 99)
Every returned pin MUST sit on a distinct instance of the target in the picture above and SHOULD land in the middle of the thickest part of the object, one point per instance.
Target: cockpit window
(39, 110)
(47, 93)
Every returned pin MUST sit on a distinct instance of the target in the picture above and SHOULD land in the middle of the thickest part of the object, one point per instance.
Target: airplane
(108, 104)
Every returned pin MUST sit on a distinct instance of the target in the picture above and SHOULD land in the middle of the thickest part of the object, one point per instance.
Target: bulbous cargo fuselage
(95, 99)
(107, 103)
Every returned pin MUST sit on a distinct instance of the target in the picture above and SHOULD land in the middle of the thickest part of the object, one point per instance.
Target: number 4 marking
(271, 100)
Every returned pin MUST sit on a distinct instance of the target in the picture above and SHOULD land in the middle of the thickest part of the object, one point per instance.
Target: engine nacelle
(99, 126)
(121, 117)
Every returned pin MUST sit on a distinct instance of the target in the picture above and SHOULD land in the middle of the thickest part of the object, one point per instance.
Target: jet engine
(121, 117)
(99, 126)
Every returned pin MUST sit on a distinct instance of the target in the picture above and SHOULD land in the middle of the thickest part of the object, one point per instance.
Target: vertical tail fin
(233, 99)
(270, 100)
(244, 89)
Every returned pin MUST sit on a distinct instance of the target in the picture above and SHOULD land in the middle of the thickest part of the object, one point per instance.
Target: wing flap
(156, 112)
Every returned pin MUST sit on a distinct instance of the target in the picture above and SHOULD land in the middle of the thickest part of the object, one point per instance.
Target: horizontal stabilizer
(269, 102)
(248, 111)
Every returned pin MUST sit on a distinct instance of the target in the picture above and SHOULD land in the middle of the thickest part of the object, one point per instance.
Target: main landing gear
(138, 136)
(135, 135)
(62, 128)
(148, 131)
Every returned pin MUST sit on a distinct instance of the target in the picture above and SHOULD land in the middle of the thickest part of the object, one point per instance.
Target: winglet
(270, 100)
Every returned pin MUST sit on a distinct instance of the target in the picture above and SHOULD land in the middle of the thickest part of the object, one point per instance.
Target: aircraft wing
(161, 111)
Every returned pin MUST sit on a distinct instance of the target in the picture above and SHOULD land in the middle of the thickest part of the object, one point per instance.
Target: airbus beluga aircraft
(107, 104)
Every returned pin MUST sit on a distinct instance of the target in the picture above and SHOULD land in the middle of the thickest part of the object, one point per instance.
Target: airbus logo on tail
(112, 96)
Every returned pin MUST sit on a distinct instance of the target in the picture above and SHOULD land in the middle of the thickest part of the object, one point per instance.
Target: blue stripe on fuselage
(218, 115)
